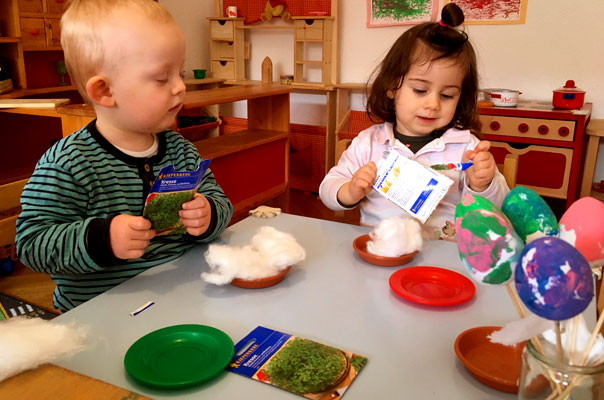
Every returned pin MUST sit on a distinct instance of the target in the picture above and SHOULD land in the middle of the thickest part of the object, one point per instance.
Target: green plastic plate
(179, 356)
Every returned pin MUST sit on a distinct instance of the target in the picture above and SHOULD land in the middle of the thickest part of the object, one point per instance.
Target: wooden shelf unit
(252, 165)
(314, 30)
(31, 41)
(228, 47)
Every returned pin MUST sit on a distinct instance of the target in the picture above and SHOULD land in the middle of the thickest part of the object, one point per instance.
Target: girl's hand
(196, 215)
(129, 236)
(357, 188)
(483, 171)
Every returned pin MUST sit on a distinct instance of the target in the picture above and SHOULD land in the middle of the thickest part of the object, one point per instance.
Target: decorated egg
(553, 279)
(582, 225)
(488, 246)
(530, 215)
(474, 202)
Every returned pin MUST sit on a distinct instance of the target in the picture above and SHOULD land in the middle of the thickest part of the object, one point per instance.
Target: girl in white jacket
(425, 91)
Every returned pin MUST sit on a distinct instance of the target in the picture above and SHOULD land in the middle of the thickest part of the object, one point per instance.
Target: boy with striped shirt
(81, 220)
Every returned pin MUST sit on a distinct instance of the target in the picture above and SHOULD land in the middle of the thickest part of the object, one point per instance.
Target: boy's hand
(482, 172)
(196, 215)
(129, 236)
(357, 188)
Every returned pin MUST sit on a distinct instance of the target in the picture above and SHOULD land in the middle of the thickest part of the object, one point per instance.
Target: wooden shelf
(311, 17)
(220, 146)
(310, 62)
(286, 27)
(204, 81)
(33, 92)
(35, 47)
(230, 94)
(196, 129)
(228, 61)
(39, 15)
(310, 40)
(597, 195)
(10, 40)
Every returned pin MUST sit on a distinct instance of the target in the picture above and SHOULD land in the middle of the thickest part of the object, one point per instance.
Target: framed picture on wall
(492, 11)
(400, 12)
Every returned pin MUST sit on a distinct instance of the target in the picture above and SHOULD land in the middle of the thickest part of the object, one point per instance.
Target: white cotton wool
(395, 236)
(520, 330)
(27, 343)
(533, 325)
(279, 248)
(268, 253)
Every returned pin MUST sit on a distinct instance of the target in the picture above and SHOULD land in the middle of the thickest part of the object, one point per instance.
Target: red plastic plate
(432, 286)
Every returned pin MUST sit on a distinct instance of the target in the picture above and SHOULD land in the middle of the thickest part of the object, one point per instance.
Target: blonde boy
(81, 220)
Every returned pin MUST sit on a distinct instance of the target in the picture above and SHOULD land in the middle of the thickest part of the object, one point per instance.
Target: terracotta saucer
(360, 245)
(261, 282)
(492, 364)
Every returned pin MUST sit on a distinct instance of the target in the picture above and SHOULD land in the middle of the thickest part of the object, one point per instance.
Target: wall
(560, 40)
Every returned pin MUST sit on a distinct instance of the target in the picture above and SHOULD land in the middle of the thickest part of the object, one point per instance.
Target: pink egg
(582, 225)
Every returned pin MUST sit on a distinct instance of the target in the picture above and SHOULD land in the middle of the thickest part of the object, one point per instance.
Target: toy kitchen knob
(494, 125)
(35, 32)
(523, 128)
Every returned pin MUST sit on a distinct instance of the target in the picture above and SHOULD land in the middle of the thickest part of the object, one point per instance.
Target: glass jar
(543, 376)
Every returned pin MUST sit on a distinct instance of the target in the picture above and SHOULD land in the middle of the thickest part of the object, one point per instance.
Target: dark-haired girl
(425, 91)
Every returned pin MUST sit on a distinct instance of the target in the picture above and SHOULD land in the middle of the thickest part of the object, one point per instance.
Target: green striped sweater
(77, 187)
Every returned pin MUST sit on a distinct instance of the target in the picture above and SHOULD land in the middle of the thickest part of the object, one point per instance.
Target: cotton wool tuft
(395, 236)
(268, 253)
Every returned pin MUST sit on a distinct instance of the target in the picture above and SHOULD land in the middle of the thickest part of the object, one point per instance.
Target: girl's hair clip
(441, 23)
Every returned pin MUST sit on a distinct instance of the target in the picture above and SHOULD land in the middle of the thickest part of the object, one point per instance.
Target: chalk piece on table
(142, 308)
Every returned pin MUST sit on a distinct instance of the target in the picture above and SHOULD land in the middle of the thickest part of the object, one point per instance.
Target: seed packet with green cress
(168, 193)
(310, 369)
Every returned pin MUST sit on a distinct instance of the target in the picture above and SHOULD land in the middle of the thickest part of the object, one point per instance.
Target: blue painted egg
(530, 215)
(553, 279)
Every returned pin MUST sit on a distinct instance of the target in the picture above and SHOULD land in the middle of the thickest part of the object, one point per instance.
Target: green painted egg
(530, 215)
(474, 202)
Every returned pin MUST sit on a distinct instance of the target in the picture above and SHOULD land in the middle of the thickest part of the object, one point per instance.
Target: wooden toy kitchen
(549, 144)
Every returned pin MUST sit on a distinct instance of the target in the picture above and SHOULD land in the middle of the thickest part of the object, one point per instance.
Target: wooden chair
(10, 206)
(509, 169)
(341, 146)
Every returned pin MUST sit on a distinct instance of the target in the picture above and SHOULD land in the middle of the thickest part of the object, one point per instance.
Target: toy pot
(569, 96)
(503, 97)
(199, 73)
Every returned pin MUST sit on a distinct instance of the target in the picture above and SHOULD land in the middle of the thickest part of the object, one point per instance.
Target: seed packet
(410, 185)
(301, 366)
(168, 193)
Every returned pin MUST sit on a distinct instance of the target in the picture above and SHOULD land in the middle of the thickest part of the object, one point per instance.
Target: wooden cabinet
(251, 165)
(227, 48)
(314, 31)
(31, 40)
(40, 33)
(549, 143)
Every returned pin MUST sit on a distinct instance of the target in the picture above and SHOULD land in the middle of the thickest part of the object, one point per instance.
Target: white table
(332, 297)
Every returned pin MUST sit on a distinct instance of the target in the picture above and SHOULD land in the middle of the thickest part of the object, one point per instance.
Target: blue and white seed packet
(168, 193)
(301, 366)
(410, 185)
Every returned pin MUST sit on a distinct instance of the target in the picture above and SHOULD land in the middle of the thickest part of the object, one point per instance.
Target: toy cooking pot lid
(569, 87)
